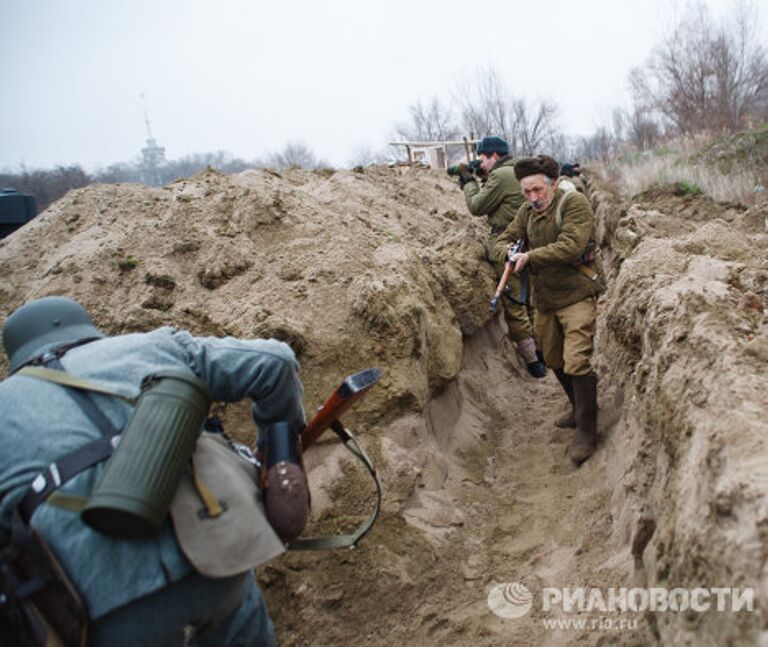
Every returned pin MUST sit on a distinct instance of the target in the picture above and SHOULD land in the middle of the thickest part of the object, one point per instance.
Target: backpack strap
(60, 376)
(559, 211)
(581, 267)
(80, 459)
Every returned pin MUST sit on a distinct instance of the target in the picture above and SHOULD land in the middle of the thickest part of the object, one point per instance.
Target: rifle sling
(350, 540)
(522, 299)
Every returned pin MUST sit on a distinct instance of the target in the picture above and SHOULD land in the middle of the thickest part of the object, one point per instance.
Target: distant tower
(152, 154)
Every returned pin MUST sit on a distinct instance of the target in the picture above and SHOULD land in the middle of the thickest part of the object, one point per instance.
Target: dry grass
(629, 178)
(728, 170)
(739, 186)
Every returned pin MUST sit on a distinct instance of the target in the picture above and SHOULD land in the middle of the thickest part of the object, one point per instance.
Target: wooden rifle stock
(508, 267)
(350, 391)
(501, 286)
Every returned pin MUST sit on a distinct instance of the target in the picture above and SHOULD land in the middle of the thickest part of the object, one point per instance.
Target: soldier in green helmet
(149, 590)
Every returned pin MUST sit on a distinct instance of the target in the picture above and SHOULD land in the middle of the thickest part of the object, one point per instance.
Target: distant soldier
(570, 178)
(559, 228)
(499, 198)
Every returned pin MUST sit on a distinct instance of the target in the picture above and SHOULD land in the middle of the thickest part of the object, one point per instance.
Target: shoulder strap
(559, 211)
(60, 376)
(71, 464)
(58, 473)
(590, 274)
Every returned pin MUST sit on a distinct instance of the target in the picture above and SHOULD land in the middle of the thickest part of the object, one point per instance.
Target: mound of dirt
(378, 267)
(385, 267)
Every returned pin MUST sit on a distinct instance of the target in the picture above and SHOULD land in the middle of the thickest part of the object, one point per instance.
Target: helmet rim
(44, 324)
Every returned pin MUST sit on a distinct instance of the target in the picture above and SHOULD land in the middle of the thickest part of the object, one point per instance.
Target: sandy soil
(385, 268)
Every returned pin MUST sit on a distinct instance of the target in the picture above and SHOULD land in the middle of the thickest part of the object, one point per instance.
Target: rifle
(340, 401)
(350, 391)
(502, 288)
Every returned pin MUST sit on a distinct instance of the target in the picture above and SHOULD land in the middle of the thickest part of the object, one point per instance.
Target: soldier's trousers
(567, 336)
(222, 611)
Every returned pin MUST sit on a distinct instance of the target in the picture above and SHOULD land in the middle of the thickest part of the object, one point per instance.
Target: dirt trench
(384, 267)
(487, 497)
(481, 497)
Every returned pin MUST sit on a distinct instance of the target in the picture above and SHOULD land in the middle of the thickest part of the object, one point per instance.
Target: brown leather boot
(568, 419)
(585, 405)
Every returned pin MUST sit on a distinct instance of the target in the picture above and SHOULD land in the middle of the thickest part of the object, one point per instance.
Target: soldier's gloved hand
(465, 177)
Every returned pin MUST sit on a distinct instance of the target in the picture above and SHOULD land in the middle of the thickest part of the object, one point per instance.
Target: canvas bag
(240, 537)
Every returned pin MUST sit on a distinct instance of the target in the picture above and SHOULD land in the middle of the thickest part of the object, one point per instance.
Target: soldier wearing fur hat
(498, 197)
(559, 229)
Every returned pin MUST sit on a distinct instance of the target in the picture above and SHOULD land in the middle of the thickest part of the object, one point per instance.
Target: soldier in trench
(137, 591)
(498, 197)
(570, 177)
(559, 230)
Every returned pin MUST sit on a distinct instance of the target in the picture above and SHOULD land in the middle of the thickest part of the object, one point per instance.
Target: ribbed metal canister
(133, 495)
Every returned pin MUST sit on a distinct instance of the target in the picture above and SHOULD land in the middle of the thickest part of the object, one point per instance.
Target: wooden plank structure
(435, 154)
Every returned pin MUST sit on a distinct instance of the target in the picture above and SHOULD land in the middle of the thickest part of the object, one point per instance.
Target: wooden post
(466, 149)
(410, 156)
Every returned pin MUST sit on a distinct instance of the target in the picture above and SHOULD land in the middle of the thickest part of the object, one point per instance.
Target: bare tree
(705, 78)
(119, 172)
(431, 122)
(643, 131)
(485, 105)
(46, 185)
(533, 127)
(598, 146)
(636, 128)
(487, 108)
(740, 69)
(196, 162)
(619, 120)
(296, 155)
(365, 156)
(562, 148)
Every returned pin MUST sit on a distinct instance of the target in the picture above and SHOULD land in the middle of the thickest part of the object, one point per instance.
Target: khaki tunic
(554, 251)
(500, 196)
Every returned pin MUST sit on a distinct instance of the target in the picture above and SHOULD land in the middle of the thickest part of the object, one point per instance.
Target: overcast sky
(248, 76)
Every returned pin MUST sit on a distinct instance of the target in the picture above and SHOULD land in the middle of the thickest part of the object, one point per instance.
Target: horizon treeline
(701, 79)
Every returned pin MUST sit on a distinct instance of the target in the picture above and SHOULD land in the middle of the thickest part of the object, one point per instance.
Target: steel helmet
(44, 324)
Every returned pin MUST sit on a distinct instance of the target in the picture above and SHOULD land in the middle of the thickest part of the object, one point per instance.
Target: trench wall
(680, 355)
